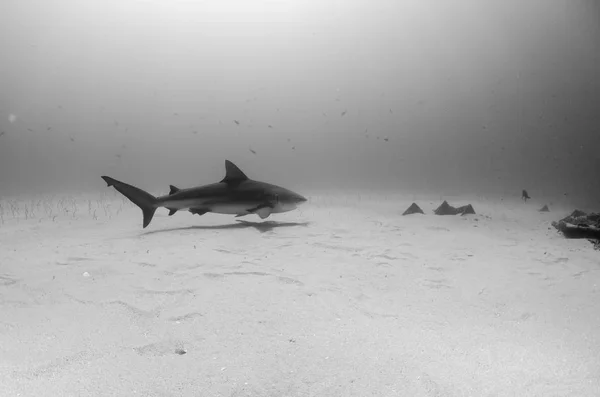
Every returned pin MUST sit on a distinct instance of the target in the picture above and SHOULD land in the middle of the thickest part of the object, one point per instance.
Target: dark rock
(413, 209)
(577, 214)
(581, 225)
(467, 210)
(447, 209)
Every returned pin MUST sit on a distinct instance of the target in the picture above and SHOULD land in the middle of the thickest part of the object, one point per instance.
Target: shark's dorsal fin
(173, 189)
(233, 174)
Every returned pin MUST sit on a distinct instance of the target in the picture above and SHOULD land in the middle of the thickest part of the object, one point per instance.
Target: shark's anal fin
(233, 174)
(173, 190)
(172, 211)
(198, 211)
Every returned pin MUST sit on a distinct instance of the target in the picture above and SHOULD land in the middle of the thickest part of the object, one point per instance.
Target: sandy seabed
(343, 297)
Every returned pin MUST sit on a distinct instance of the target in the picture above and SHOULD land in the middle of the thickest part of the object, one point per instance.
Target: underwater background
(449, 97)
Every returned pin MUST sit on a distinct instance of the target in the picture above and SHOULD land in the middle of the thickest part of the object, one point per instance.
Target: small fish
(343, 113)
(386, 139)
(2, 133)
(391, 111)
(253, 152)
(49, 129)
(29, 129)
(237, 122)
(270, 126)
(72, 139)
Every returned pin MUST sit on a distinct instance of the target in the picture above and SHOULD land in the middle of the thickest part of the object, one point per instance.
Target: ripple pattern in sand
(281, 279)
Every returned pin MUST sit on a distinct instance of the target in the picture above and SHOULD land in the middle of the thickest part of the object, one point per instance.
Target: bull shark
(236, 194)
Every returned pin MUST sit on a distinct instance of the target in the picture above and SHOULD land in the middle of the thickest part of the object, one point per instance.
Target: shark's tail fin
(147, 202)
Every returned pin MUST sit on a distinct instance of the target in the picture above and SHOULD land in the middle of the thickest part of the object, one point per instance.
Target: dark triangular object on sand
(413, 209)
(544, 209)
(467, 210)
(445, 209)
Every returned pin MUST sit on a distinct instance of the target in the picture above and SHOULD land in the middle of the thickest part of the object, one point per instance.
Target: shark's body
(236, 194)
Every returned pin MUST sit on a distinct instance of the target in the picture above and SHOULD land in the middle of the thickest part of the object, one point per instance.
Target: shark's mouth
(284, 207)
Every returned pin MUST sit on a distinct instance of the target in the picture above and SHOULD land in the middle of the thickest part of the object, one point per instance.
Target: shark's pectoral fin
(263, 210)
(172, 211)
(261, 206)
(198, 211)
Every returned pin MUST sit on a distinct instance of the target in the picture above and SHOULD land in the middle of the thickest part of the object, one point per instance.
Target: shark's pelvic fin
(233, 174)
(147, 202)
(172, 211)
(173, 189)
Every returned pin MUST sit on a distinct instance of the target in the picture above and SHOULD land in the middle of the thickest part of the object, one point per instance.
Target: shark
(235, 194)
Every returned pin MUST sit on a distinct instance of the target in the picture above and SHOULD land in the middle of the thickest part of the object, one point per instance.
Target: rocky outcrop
(580, 225)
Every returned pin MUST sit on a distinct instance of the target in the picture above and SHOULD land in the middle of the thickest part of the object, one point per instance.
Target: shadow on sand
(262, 227)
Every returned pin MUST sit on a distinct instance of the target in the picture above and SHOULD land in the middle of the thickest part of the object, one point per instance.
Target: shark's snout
(290, 198)
(301, 199)
(295, 198)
